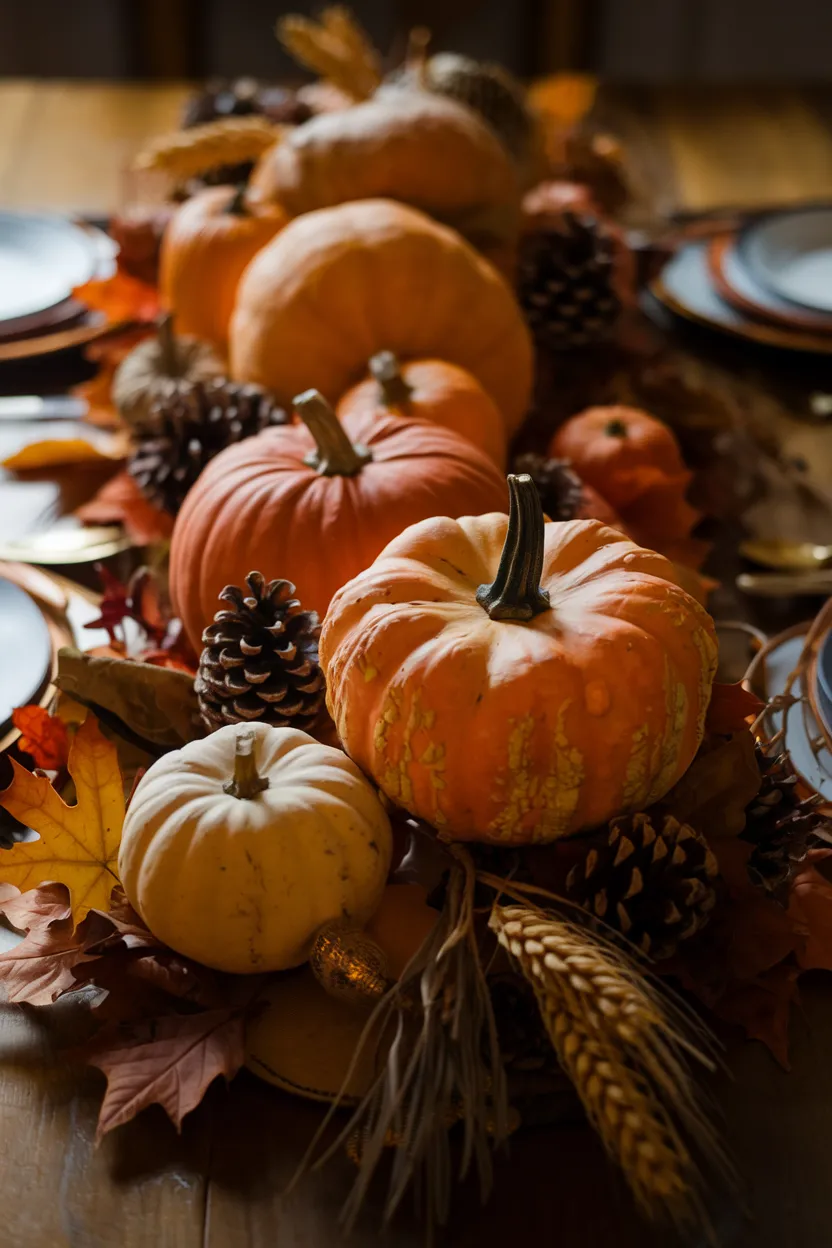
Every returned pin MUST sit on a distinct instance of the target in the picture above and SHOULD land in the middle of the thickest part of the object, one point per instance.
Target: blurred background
(634, 41)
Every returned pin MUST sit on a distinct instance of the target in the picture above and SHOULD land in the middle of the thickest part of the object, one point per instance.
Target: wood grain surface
(221, 1183)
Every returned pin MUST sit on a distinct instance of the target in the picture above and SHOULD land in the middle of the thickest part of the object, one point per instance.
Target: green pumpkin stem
(334, 454)
(246, 783)
(168, 346)
(395, 391)
(616, 429)
(515, 593)
(237, 206)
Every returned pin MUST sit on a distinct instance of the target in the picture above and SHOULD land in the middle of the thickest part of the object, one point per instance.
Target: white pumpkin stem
(395, 391)
(246, 783)
(515, 593)
(334, 454)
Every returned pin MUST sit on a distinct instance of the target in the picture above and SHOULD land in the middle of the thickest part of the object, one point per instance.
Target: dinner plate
(791, 254)
(42, 258)
(685, 288)
(737, 285)
(25, 651)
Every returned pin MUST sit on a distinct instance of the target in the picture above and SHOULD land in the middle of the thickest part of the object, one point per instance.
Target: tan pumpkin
(316, 504)
(205, 248)
(514, 681)
(338, 285)
(408, 145)
(236, 849)
(431, 390)
(146, 371)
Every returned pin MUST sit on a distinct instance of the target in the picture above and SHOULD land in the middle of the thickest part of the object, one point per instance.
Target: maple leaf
(169, 1061)
(763, 1008)
(78, 845)
(39, 969)
(120, 297)
(714, 791)
(730, 708)
(43, 736)
(810, 904)
(120, 501)
(139, 600)
(99, 447)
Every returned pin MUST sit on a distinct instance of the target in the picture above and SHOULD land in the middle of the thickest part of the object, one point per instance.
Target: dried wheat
(230, 141)
(335, 48)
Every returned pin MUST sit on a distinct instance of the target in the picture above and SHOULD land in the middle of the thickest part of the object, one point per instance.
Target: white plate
(791, 253)
(25, 650)
(41, 259)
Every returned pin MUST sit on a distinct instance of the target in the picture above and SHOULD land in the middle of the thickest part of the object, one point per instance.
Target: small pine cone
(188, 425)
(560, 488)
(566, 283)
(260, 660)
(779, 822)
(655, 885)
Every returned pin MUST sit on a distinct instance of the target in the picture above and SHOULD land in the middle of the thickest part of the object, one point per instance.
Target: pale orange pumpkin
(207, 244)
(431, 390)
(316, 502)
(338, 285)
(515, 682)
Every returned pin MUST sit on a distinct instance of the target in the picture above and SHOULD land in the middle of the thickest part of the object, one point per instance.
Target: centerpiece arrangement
(421, 759)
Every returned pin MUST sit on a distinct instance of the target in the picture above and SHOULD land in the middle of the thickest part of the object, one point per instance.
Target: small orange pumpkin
(621, 452)
(433, 390)
(514, 681)
(207, 244)
(315, 502)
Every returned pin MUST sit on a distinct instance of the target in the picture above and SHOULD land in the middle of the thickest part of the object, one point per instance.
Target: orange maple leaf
(78, 845)
(120, 501)
(42, 735)
(120, 297)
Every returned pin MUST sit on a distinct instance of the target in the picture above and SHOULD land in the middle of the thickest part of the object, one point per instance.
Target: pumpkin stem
(515, 593)
(237, 206)
(334, 454)
(168, 347)
(395, 391)
(616, 429)
(416, 57)
(246, 782)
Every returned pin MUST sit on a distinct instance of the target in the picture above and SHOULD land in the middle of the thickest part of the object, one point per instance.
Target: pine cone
(188, 425)
(779, 823)
(261, 659)
(240, 97)
(560, 488)
(565, 281)
(655, 885)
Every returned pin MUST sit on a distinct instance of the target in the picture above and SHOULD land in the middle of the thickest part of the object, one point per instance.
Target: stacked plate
(42, 259)
(769, 282)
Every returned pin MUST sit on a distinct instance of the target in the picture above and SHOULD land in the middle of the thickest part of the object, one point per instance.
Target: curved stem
(236, 206)
(385, 368)
(246, 783)
(168, 353)
(334, 454)
(515, 593)
(416, 57)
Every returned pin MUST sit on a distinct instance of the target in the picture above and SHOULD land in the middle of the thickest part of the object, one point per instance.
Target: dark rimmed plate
(25, 651)
(790, 253)
(42, 259)
(737, 285)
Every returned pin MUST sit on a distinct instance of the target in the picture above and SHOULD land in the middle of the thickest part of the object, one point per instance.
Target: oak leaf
(730, 708)
(43, 736)
(169, 1061)
(78, 845)
(120, 501)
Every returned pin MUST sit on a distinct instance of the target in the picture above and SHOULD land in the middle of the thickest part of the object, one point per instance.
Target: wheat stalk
(335, 48)
(230, 141)
(623, 1048)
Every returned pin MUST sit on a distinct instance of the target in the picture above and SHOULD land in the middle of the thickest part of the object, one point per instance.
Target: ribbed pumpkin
(316, 504)
(620, 452)
(431, 390)
(514, 681)
(338, 285)
(407, 145)
(207, 244)
(237, 848)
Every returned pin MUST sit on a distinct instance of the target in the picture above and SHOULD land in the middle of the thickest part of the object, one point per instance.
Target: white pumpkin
(237, 848)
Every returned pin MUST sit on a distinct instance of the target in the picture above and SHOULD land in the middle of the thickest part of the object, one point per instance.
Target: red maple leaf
(120, 501)
(42, 736)
(121, 298)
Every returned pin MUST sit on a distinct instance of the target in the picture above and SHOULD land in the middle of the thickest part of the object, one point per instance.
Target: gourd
(433, 390)
(315, 503)
(205, 248)
(621, 452)
(338, 285)
(146, 372)
(236, 849)
(411, 146)
(513, 681)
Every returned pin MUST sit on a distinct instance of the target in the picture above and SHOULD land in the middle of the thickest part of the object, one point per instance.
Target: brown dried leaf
(120, 501)
(810, 905)
(763, 1009)
(715, 790)
(730, 709)
(40, 968)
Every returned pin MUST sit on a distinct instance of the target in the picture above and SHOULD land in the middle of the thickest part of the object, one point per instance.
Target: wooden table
(219, 1185)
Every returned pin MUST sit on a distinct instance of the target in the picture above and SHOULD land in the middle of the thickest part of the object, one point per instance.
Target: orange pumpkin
(621, 452)
(316, 502)
(431, 390)
(514, 681)
(338, 285)
(407, 145)
(207, 244)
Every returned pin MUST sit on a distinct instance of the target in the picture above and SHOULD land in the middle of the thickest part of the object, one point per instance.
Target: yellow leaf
(57, 452)
(78, 844)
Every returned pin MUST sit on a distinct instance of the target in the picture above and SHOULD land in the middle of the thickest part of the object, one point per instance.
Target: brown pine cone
(779, 822)
(653, 882)
(188, 425)
(260, 660)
